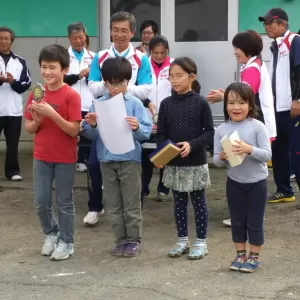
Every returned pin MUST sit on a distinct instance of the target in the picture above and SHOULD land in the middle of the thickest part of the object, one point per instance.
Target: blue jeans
(43, 175)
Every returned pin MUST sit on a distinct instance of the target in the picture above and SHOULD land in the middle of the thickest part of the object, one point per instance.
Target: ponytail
(196, 87)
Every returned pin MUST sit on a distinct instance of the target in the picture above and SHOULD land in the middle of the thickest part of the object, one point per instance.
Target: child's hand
(133, 123)
(42, 109)
(36, 117)
(159, 167)
(91, 119)
(185, 149)
(241, 148)
(223, 156)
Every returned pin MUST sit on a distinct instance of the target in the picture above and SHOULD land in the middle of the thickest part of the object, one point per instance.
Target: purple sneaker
(132, 249)
(118, 249)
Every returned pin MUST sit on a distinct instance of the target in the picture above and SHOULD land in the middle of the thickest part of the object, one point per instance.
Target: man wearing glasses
(148, 30)
(285, 76)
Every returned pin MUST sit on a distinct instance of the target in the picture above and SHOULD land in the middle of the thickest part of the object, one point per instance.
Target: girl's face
(237, 108)
(159, 53)
(240, 56)
(181, 80)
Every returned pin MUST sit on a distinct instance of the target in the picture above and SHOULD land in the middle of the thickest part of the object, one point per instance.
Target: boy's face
(116, 88)
(52, 72)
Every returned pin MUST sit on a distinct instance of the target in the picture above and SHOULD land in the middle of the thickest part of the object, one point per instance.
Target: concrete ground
(94, 274)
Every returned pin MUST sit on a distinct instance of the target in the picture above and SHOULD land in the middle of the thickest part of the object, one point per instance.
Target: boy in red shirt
(55, 121)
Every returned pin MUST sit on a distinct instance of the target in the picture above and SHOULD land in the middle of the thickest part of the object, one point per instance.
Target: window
(201, 20)
(141, 9)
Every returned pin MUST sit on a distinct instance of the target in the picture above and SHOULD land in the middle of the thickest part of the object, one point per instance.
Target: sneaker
(146, 195)
(92, 217)
(161, 197)
(16, 178)
(198, 250)
(132, 249)
(250, 265)
(62, 251)
(118, 249)
(81, 167)
(50, 244)
(280, 197)
(238, 262)
(227, 222)
(293, 177)
(180, 249)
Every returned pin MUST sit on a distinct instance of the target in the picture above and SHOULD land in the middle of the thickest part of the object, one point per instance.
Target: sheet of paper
(114, 130)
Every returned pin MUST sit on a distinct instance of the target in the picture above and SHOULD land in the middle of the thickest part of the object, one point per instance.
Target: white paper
(227, 143)
(114, 130)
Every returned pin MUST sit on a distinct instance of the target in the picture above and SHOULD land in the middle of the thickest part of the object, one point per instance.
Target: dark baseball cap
(273, 14)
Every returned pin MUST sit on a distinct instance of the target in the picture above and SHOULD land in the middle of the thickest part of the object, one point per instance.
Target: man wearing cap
(285, 75)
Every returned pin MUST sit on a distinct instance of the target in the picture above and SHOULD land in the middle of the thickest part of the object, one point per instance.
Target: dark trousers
(147, 171)
(286, 148)
(94, 181)
(11, 126)
(181, 215)
(84, 146)
(247, 203)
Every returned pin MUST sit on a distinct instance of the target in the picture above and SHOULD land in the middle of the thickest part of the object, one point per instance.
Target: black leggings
(200, 210)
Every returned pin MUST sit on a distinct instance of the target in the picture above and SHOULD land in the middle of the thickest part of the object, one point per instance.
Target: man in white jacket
(14, 81)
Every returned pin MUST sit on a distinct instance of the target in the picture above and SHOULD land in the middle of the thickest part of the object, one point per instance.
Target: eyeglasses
(268, 23)
(122, 32)
(147, 32)
(117, 84)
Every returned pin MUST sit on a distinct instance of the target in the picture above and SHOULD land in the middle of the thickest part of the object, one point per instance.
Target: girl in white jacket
(160, 64)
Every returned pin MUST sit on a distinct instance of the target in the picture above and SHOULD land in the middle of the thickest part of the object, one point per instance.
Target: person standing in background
(14, 81)
(285, 77)
(148, 30)
(80, 61)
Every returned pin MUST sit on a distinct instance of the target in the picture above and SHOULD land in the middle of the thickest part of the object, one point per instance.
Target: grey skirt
(186, 179)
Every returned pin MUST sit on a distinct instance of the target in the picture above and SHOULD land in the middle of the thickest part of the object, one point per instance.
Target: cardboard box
(164, 153)
(227, 142)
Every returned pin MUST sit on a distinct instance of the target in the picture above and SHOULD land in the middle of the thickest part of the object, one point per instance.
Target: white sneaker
(50, 244)
(16, 178)
(62, 251)
(227, 222)
(81, 167)
(92, 217)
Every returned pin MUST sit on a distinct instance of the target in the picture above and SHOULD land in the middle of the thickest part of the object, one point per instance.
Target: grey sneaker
(50, 244)
(62, 251)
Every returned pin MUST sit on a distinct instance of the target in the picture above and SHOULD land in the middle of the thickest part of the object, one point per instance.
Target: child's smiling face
(237, 108)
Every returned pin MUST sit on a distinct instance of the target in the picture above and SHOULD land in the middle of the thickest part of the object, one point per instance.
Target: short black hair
(7, 29)
(116, 69)
(55, 53)
(245, 92)
(76, 27)
(87, 40)
(124, 16)
(250, 42)
(158, 39)
(148, 23)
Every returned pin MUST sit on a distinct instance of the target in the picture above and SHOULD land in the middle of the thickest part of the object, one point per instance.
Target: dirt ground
(94, 274)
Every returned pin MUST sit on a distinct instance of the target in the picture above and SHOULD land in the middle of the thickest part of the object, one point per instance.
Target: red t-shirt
(52, 144)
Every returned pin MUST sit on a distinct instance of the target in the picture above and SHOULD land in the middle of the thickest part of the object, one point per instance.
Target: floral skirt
(186, 179)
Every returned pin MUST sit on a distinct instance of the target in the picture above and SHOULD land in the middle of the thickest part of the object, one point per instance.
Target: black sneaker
(280, 197)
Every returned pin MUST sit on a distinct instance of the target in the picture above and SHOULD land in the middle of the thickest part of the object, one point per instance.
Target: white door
(200, 29)
(203, 30)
